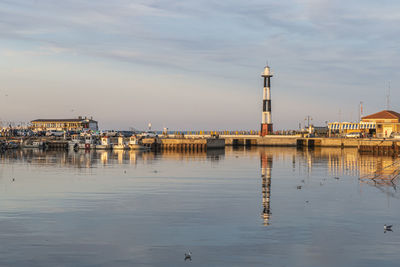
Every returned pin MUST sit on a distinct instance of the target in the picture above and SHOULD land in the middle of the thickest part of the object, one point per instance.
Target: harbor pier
(183, 144)
(202, 143)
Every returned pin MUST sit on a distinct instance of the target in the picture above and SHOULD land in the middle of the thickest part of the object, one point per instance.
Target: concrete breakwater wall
(274, 140)
(202, 143)
(374, 146)
(190, 144)
(346, 142)
(260, 141)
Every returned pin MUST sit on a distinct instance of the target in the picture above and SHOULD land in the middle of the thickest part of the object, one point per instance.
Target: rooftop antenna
(388, 97)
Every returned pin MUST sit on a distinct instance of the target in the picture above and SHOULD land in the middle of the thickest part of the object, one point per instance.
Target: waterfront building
(380, 124)
(78, 124)
(386, 121)
(351, 127)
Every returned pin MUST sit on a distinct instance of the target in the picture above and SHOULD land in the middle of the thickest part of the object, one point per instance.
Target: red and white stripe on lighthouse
(266, 121)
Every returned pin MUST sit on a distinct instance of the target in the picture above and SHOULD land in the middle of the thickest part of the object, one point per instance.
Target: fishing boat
(121, 145)
(104, 143)
(135, 143)
(73, 144)
(34, 144)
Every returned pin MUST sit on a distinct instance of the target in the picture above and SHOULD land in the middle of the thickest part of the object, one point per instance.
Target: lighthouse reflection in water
(266, 168)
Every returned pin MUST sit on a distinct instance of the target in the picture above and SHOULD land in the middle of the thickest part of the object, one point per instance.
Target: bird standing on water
(188, 256)
(387, 228)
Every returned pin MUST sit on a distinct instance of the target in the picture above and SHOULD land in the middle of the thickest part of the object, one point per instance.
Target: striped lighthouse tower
(266, 124)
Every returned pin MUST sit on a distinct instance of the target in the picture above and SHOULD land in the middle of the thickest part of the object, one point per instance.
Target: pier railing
(229, 133)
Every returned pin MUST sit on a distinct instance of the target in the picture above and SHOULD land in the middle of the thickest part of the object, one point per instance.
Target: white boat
(82, 142)
(122, 145)
(104, 143)
(34, 144)
(136, 144)
(149, 134)
(73, 144)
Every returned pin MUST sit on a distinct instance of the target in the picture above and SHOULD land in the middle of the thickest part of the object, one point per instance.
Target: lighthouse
(266, 121)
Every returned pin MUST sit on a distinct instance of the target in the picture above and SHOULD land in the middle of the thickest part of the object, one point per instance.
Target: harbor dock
(183, 144)
(202, 143)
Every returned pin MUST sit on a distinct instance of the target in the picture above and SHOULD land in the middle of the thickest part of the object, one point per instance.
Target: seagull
(387, 228)
(188, 256)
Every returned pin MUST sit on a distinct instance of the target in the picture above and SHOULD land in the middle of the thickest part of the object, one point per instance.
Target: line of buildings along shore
(382, 124)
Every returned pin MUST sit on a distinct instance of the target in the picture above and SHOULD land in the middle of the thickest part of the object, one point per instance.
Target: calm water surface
(246, 207)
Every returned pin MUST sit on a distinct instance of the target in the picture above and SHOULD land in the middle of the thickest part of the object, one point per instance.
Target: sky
(196, 65)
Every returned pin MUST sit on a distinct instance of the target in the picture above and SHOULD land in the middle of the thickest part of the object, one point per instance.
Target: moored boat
(89, 142)
(136, 144)
(34, 144)
(104, 143)
(121, 145)
(73, 144)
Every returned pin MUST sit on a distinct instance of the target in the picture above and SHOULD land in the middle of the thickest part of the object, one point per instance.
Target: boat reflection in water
(97, 158)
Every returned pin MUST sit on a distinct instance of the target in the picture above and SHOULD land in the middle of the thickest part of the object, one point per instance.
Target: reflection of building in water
(385, 172)
(343, 162)
(266, 167)
(379, 171)
(350, 162)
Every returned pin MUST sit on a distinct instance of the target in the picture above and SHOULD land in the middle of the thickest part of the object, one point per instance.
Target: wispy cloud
(319, 45)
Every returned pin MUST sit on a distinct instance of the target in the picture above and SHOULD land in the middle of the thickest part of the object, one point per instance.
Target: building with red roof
(386, 121)
(380, 124)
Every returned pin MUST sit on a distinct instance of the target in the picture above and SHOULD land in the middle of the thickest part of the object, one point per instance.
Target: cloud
(322, 49)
